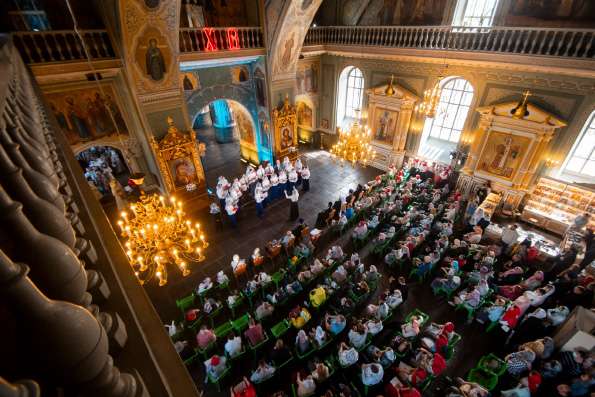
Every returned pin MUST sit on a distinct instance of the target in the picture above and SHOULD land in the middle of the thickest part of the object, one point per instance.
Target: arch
(235, 92)
(288, 22)
(442, 133)
(121, 146)
(350, 94)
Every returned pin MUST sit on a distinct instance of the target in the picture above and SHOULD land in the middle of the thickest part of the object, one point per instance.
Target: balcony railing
(220, 39)
(63, 46)
(572, 43)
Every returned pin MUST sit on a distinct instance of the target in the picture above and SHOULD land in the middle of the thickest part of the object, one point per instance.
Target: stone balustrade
(68, 296)
(553, 42)
(63, 46)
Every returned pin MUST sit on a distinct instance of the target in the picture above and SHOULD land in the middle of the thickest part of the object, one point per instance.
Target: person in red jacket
(510, 317)
(534, 381)
(395, 388)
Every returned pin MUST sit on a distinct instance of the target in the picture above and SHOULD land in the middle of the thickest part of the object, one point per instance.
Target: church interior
(297, 198)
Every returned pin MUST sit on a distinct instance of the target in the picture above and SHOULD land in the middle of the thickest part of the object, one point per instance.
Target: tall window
(354, 93)
(453, 107)
(475, 13)
(581, 160)
(351, 92)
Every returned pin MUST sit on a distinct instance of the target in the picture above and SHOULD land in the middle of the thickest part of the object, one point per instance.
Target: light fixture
(157, 234)
(354, 144)
(429, 105)
(551, 163)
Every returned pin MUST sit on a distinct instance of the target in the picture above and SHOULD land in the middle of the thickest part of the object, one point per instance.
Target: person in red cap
(215, 366)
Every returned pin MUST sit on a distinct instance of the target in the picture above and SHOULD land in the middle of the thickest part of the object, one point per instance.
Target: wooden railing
(220, 39)
(574, 43)
(63, 46)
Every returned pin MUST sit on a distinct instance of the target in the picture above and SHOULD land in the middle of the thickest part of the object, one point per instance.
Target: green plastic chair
(483, 364)
(224, 286)
(306, 354)
(416, 312)
(204, 352)
(241, 323)
(470, 310)
(278, 277)
(487, 379)
(191, 360)
(217, 381)
(186, 303)
(239, 302)
(254, 348)
(286, 363)
(211, 316)
(251, 296)
(223, 330)
(280, 329)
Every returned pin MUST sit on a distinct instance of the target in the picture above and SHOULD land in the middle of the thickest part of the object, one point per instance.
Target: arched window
(452, 112)
(355, 91)
(351, 92)
(581, 159)
(475, 13)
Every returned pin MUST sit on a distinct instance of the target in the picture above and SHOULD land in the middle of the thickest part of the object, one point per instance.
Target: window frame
(588, 125)
(467, 89)
(348, 109)
(460, 15)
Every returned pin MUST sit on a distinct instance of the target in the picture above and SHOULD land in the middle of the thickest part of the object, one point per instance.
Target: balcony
(516, 43)
(63, 46)
(209, 43)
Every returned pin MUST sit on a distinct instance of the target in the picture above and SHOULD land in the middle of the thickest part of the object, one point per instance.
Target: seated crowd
(330, 315)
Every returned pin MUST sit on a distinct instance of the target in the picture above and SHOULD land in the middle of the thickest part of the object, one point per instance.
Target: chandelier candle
(157, 234)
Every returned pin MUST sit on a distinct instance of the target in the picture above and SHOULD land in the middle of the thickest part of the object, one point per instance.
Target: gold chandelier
(157, 234)
(354, 145)
(429, 106)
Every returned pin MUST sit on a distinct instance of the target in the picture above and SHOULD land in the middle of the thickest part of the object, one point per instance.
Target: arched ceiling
(287, 24)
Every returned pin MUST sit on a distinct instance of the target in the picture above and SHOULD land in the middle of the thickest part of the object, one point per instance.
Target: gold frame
(175, 145)
(285, 116)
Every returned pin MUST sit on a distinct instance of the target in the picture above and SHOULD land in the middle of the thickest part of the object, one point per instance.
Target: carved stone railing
(63, 46)
(72, 312)
(220, 39)
(573, 43)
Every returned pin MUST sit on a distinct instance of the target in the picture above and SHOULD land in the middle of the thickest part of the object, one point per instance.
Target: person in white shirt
(286, 164)
(268, 171)
(347, 355)
(222, 188)
(259, 197)
(266, 185)
(305, 174)
(294, 211)
(372, 374)
(306, 387)
(274, 191)
(233, 346)
(231, 210)
(292, 176)
(509, 237)
(260, 172)
(282, 181)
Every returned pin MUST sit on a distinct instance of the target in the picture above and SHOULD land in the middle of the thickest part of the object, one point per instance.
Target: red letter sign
(211, 40)
(233, 39)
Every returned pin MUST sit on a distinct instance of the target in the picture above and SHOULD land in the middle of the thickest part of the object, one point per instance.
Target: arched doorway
(227, 128)
(100, 164)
